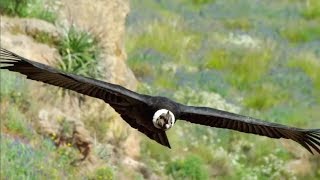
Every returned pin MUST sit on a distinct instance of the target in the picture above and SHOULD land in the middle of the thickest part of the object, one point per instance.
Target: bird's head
(163, 119)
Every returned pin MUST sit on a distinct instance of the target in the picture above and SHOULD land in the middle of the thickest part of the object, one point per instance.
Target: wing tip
(311, 140)
(8, 57)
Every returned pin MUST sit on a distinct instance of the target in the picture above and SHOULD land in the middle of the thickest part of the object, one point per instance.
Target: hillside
(256, 58)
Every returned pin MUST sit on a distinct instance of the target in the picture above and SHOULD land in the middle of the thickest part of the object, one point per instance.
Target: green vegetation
(12, 88)
(15, 122)
(200, 2)
(244, 66)
(239, 23)
(259, 59)
(191, 167)
(252, 55)
(45, 38)
(80, 53)
(311, 67)
(37, 161)
(301, 32)
(311, 10)
(272, 168)
(168, 36)
(25, 153)
(103, 174)
(266, 96)
(27, 8)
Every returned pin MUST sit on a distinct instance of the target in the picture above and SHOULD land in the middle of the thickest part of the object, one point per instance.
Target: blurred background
(257, 58)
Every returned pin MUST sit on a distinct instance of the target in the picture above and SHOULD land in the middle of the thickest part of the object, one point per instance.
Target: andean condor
(154, 115)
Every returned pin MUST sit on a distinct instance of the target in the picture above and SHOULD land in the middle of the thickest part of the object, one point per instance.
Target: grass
(45, 38)
(12, 89)
(192, 167)
(26, 154)
(243, 24)
(262, 79)
(155, 151)
(197, 2)
(310, 65)
(28, 8)
(243, 66)
(25, 161)
(271, 167)
(311, 10)
(301, 32)
(265, 96)
(187, 56)
(166, 36)
(80, 52)
(14, 122)
(103, 173)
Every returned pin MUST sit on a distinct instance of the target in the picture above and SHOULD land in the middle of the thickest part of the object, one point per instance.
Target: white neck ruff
(158, 114)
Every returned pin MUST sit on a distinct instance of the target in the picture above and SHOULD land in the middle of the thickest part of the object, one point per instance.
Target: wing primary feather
(250, 128)
(311, 143)
(209, 122)
(256, 129)
(235, 125)
(276, 134)
(298, 139)
(229, 123)
(314, 140)
(263, 131)
(94, 91)
(244, 127)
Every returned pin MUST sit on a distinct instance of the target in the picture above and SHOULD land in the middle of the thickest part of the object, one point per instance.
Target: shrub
(168, 36)
(311, 10)
(103, 173)
(80, 53)
(23, 161)
(12, 87)
(311, 67)
(243, 66)
(265, 96)
(301, 32)
(190, 168)
(238, 23)
(271, 167)
(15, 123)
(27, 8)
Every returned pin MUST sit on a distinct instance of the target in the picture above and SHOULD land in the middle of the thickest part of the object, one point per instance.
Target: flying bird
(154, 115)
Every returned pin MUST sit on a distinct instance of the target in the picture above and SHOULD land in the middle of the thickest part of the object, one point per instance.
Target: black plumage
(138, 110)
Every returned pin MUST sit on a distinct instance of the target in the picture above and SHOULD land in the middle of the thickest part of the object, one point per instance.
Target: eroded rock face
(105, 18)
(16, 35)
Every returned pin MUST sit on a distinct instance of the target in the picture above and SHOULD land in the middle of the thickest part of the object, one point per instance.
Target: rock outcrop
(104, 19)
(16, 35)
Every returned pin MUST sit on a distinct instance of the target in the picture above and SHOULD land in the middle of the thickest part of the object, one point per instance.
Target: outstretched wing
(113, 94)
(120, 98)
(308, 138)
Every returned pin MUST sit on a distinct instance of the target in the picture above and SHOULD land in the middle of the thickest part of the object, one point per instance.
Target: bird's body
(153, 115)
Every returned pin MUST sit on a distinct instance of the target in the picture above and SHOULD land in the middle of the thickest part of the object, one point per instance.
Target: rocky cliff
(104, 19)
